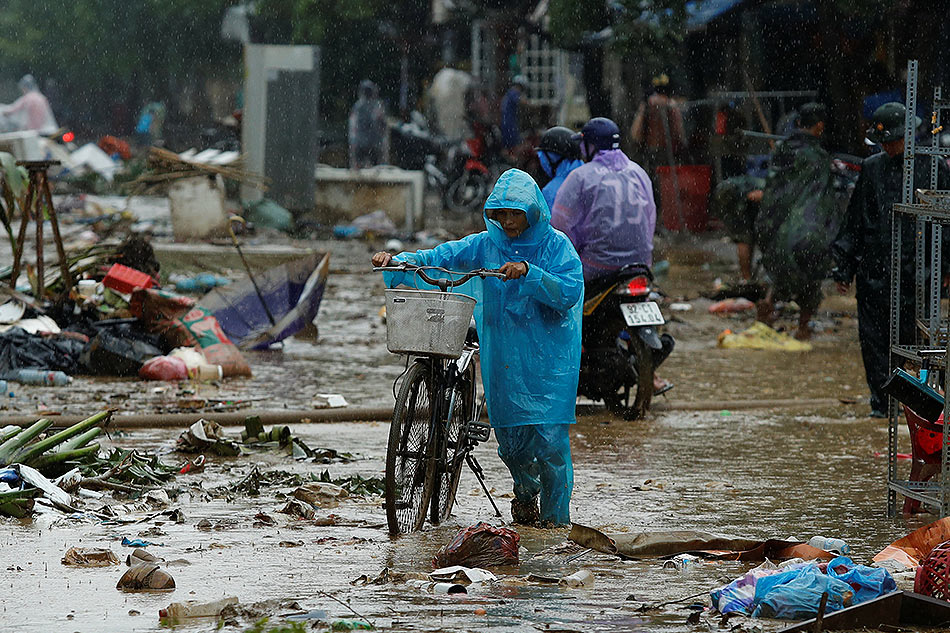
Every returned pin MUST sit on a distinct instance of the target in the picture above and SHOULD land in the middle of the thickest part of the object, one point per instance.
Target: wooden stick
(21, 237)
(58, 239)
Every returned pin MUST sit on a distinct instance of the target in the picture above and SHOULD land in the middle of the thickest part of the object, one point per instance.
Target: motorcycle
(621, 347)
(476, 166)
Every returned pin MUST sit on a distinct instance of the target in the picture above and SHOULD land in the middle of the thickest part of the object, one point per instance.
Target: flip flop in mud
(661, 386)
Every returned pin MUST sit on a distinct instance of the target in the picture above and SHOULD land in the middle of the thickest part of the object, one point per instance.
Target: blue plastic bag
(796, 594)
(739, 595)
(867, 582)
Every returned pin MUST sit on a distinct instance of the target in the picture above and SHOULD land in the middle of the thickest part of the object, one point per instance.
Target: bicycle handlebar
(443, 284)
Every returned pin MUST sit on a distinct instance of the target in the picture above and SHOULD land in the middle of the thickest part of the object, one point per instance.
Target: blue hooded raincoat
(557, 175)
(530, 336)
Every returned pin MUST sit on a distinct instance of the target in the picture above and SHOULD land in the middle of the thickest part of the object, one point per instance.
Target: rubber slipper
(666, 387)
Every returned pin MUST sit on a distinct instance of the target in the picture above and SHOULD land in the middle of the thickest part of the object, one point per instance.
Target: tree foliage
(103, 51)
(359, 39)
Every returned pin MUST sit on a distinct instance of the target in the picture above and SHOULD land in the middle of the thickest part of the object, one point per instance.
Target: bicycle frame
(448, 380)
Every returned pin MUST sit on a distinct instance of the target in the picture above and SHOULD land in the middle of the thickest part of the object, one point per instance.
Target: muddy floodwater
(773, 472)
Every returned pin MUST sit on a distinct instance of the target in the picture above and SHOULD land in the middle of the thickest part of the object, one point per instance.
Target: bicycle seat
(472, 337)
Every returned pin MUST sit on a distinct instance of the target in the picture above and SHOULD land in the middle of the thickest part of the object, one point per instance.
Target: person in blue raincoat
(559, 155)
(529, 328)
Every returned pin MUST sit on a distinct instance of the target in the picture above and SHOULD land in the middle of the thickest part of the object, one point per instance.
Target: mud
(769, 473)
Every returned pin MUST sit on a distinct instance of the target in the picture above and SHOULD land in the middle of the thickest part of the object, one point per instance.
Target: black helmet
(887, 123)
(600, 133)
(560, 140)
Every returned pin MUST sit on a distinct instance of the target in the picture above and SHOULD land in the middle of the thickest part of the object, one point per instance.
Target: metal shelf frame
(934, 494)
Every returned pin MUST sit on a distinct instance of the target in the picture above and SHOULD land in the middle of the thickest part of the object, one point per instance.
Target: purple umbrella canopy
(292, 291)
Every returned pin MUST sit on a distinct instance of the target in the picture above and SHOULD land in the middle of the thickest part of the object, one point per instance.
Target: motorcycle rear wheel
(468, 192)
(640, 378)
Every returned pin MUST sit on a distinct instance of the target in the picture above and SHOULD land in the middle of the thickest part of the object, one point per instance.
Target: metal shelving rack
(930, 325)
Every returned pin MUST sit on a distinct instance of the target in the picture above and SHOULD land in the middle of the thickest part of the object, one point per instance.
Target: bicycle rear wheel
(408, 484)
(449, 470)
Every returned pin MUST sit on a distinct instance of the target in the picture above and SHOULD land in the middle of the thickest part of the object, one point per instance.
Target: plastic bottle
(39, 377)
(830, 544)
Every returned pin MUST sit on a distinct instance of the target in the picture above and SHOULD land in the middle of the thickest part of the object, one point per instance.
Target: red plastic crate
(124, 279)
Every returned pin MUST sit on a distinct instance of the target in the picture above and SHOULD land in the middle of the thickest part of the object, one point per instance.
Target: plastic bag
(761, 336)
(796, 594)
(480, 545)
(740, 593)
(164, 368)
(207, 334)
(867, 582)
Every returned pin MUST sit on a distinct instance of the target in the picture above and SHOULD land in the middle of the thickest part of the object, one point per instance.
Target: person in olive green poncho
(798, 219)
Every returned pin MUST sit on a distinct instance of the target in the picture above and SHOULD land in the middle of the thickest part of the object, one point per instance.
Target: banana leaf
(9, 448)
(17, 503)
(32, 451)
(9, 431)
(80, 440)
(61, 457)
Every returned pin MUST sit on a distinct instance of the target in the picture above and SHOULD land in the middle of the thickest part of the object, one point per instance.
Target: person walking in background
(735, 201)
(559, 155)
(862, 249)
(367, 128)
(658, 129)
(31, 111)
(511, 113)
(798, 219)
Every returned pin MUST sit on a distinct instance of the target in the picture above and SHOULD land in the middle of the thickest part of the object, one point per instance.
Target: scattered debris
(480, 545)
(298, 509)
(760, 336)
(207, 436)
(195, 609)
(139, 556)
(127, 542)
(89, 557)
(705, 544)
(146, 576)
(320, 494)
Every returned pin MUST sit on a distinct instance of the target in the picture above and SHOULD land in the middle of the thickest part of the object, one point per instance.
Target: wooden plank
(898, 608)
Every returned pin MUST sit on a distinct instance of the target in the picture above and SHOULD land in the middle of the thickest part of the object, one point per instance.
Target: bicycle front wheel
(452, 460)
(408, 484)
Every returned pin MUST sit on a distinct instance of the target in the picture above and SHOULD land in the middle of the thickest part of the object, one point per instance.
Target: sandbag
(480, 545)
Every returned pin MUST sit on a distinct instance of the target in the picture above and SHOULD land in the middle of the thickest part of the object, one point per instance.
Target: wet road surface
(757, 474)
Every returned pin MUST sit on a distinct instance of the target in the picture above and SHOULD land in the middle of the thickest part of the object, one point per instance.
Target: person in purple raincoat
(606, 206)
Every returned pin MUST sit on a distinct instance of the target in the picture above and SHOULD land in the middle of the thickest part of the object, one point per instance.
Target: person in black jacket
(862, 250)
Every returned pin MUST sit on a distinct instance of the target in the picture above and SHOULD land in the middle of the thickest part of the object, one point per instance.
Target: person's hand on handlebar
(382, 258)
(514, 270)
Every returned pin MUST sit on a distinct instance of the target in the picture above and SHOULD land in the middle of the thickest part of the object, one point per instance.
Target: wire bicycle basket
(427, 322)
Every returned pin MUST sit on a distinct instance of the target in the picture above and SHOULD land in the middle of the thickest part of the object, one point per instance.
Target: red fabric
(112, 145)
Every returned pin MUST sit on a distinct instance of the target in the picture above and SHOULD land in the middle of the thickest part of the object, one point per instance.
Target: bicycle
(436, 423)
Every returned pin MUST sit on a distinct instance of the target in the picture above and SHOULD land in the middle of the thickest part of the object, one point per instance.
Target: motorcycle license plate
(646, 313)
